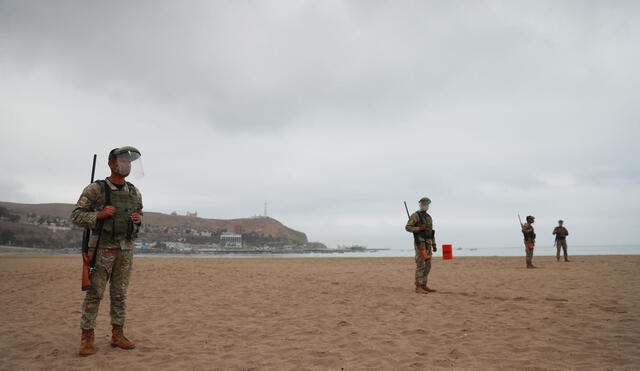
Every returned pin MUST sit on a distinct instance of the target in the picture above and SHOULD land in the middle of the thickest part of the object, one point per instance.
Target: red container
(447, 252)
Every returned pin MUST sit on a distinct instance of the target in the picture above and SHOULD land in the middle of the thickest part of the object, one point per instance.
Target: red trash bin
(447, 252)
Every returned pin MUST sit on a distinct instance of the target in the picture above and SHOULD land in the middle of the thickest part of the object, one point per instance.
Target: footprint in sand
(555, 299)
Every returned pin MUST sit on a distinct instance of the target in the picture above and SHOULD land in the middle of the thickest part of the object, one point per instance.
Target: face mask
(123, 168)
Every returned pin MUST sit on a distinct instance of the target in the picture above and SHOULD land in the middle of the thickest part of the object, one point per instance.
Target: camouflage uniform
(424, 240)
(529, 242)
(114, 259)
(561, 241)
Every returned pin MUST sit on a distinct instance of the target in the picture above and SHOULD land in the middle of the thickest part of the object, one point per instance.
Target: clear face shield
(129, 163)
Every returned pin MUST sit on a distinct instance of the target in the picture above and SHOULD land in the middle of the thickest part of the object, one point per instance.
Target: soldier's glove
(423, 227)
(434, 247)
(107, 212)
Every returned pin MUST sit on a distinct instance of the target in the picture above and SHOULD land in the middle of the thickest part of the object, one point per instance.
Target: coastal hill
(258, 229)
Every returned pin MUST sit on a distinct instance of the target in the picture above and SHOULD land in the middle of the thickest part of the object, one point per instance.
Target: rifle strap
(107, 201)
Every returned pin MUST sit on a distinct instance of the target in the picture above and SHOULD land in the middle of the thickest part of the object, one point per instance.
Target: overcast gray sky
(335, 111)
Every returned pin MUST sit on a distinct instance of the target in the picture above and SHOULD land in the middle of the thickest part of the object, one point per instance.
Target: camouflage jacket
(413, 226)
(91, 201)
(560, 232)
(528, 231)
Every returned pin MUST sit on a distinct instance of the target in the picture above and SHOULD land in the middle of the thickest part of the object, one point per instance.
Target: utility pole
(265, 208)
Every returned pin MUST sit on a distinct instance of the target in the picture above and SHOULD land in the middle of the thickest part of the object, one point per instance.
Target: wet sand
(333, 313)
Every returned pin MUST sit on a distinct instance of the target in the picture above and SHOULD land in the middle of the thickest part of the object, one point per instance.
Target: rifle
(86, 281)
(423, 251)
(525, 234)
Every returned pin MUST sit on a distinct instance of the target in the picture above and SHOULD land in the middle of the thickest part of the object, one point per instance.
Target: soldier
(112, 209)
(529, 240)
(561, 240)
(421, 225)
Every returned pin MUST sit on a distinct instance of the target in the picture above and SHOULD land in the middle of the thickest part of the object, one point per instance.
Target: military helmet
(560, 221)
(425, 200)
(531, 217)
(126, 152)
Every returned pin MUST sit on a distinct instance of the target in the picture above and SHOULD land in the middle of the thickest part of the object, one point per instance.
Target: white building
(231, 240)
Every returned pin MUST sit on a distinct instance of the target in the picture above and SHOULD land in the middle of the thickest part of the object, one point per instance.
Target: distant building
(193, 214)
(180, 246)
(231, 240)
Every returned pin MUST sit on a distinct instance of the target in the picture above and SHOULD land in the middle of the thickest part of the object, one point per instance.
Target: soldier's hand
(107, 212)
(137, 218)
(423, 227)
(434, 247)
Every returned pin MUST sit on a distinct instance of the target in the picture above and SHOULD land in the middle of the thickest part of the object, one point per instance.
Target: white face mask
(424, 207)
(123, 168)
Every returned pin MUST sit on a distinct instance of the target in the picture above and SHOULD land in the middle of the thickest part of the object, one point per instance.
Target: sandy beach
(349, 313)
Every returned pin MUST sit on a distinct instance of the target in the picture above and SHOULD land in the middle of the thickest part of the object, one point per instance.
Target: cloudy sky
(335, 111)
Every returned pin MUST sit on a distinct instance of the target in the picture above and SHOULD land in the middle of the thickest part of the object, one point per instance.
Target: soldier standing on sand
(561, 240)
(421, 225)
(112, 209)
(529, 240)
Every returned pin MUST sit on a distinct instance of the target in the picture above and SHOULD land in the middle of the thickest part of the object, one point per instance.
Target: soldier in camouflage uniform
(561, 240)
(421, 225)
(112, 209)
(529, 240)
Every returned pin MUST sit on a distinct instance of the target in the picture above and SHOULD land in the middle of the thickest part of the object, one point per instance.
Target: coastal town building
(231, 240)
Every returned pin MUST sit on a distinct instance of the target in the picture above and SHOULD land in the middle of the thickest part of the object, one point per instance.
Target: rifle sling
(107, 202)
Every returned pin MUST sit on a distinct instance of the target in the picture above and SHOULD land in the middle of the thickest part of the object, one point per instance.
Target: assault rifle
(86, 262)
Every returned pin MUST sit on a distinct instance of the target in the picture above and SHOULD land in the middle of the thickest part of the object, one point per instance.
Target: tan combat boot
(421, 290)
(119, 340)
(87, 343)
(429, 289)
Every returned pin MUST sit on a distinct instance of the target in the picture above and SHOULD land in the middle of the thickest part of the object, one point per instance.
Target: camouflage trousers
(423, 267)
(561, 244)
(528, 249)
(112, 266)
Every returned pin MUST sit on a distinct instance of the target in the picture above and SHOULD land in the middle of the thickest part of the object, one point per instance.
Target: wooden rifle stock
(86, 262)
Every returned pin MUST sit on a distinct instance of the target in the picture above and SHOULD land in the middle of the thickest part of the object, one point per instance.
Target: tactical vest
(427, 233)
(120, 227)
(561, 233)
(529, 236)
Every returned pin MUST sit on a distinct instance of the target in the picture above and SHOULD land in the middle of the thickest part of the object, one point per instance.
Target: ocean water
(540, 250)
(399, 253)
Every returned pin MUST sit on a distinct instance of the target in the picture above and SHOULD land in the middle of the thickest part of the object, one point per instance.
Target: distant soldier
(421, 225)
(561, 240)
(529, 240)
(112, 209)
